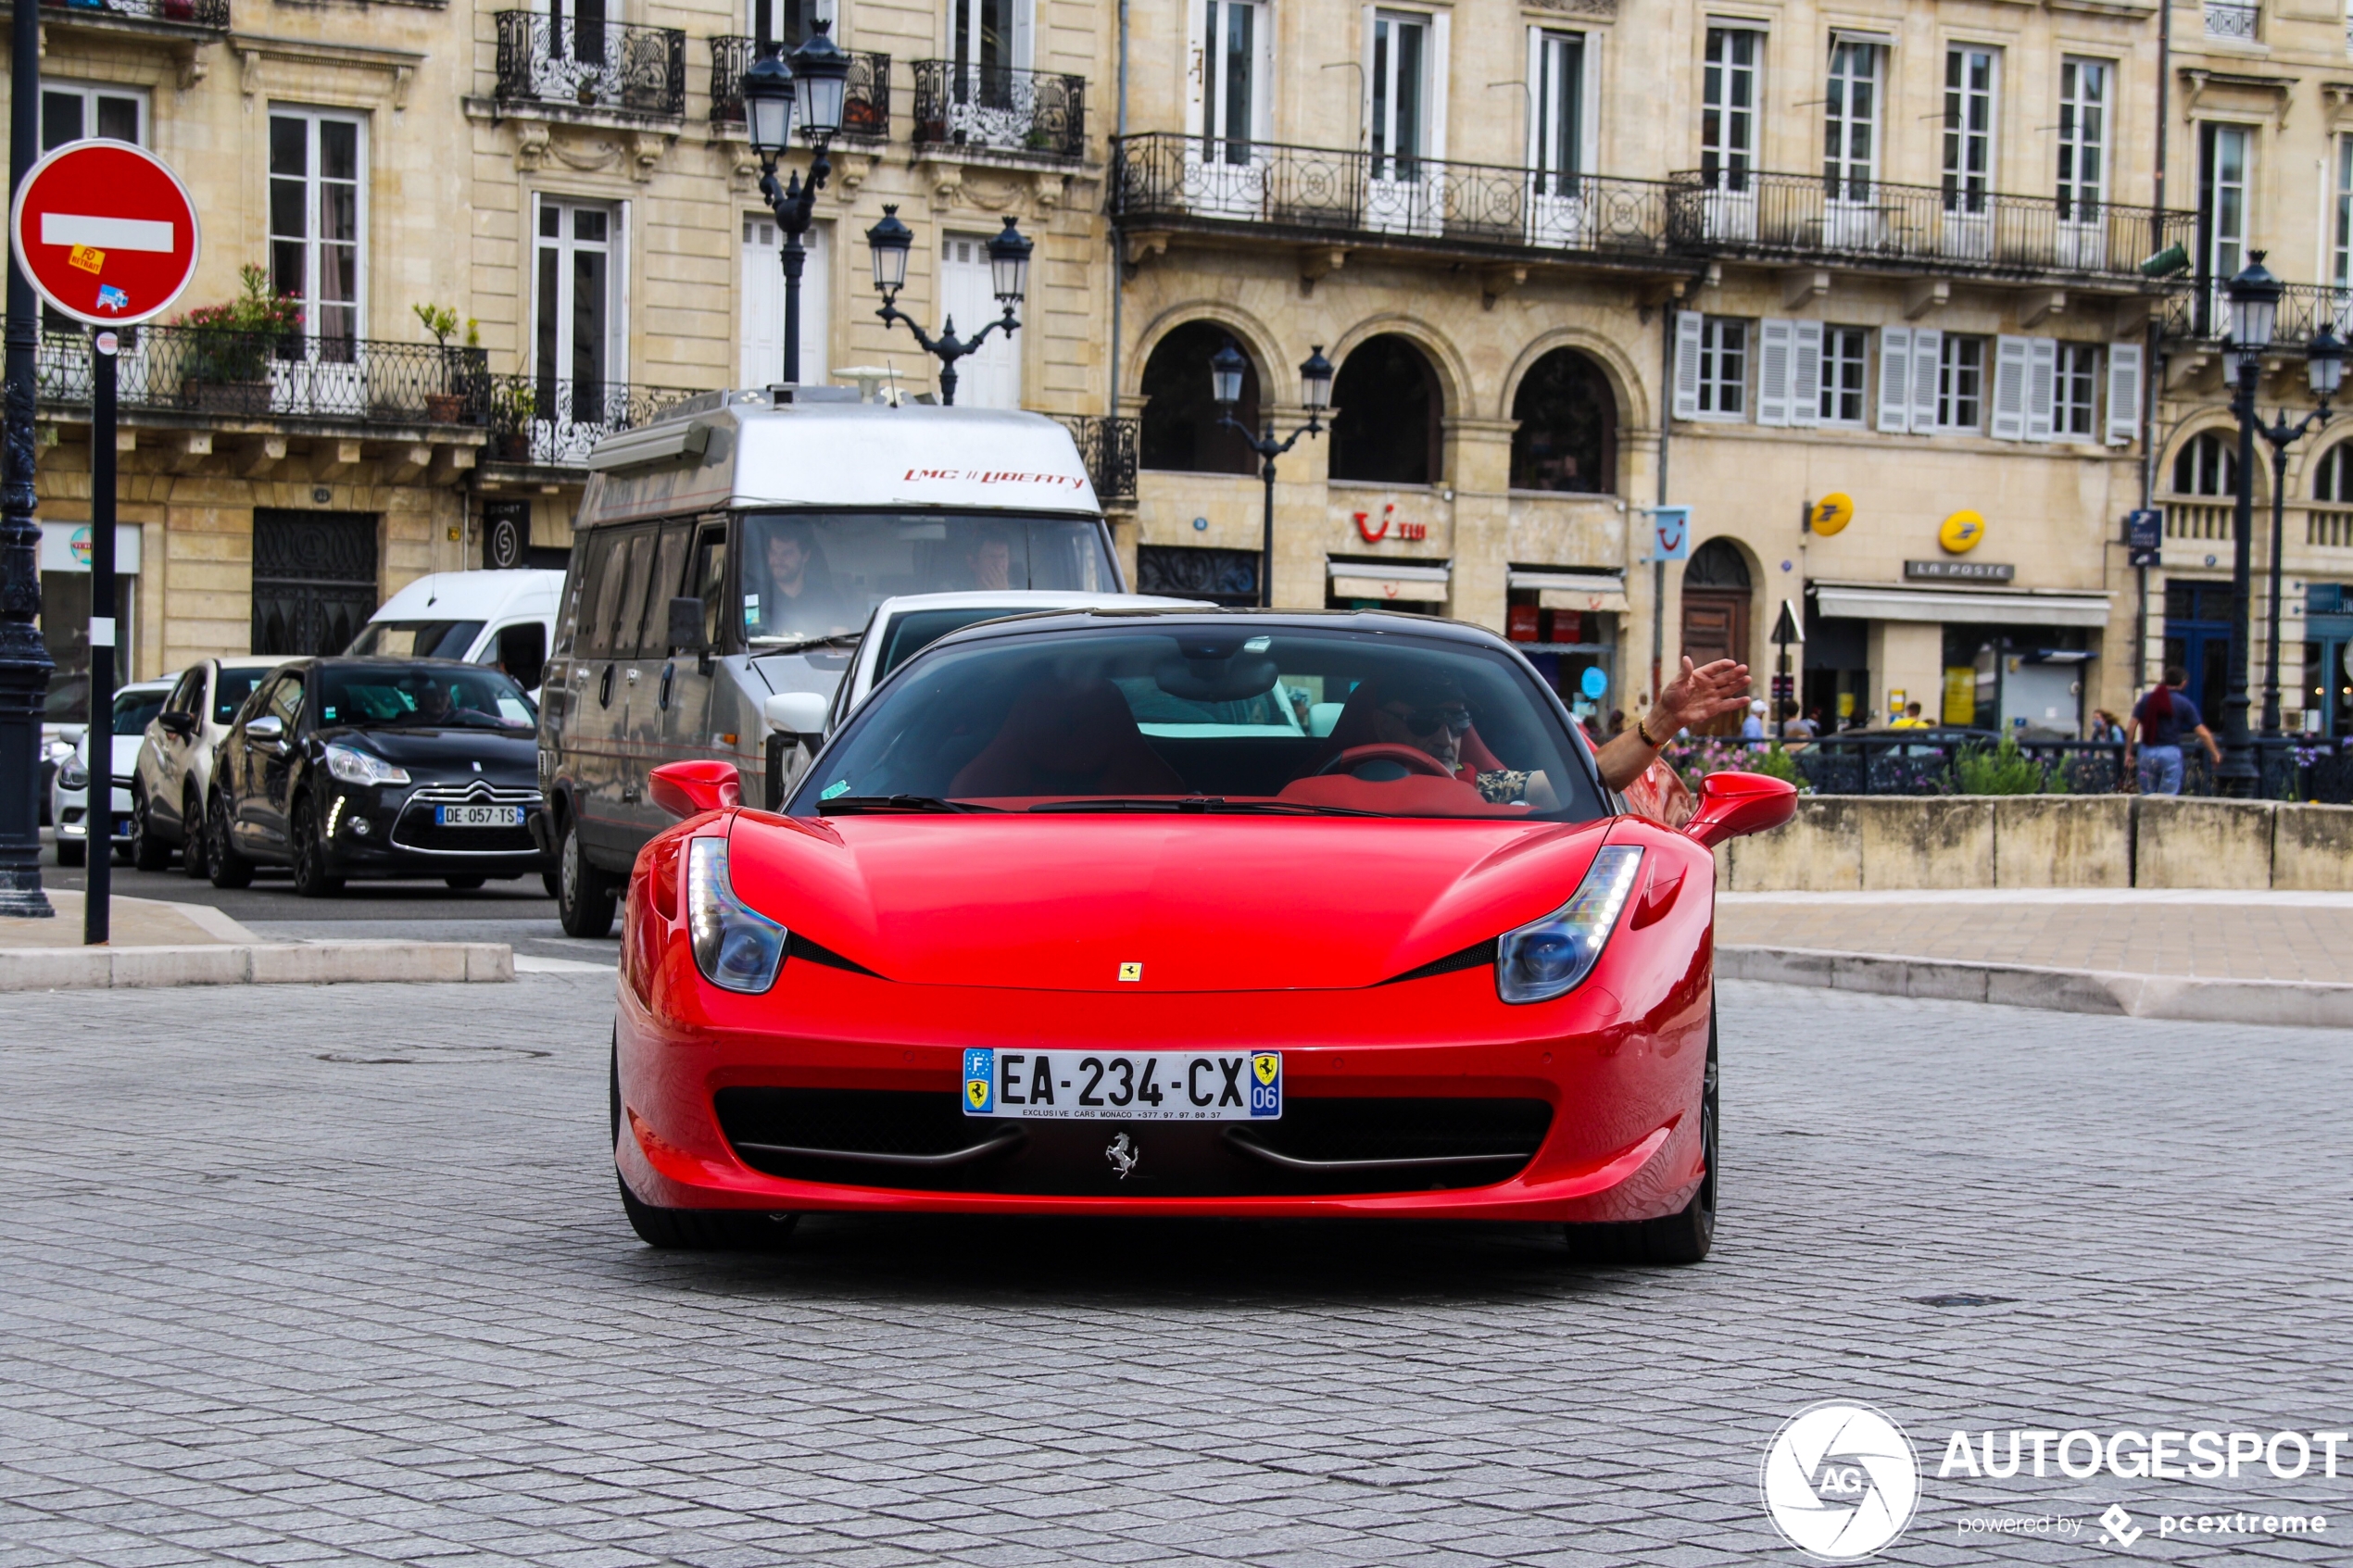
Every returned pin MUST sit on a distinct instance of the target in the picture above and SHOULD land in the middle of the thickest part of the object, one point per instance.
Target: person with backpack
(2160, 721)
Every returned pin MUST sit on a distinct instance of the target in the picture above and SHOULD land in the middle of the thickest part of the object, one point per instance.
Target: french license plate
(477, 816)
(1084, 1085)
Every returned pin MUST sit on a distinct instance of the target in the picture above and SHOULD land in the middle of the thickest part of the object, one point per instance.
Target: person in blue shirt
(2160, 721)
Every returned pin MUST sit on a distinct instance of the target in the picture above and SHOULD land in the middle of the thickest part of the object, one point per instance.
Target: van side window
(669, 570)
(521, 650)
(574, 594)
(597, 600)
(709, 583)
(626, 583)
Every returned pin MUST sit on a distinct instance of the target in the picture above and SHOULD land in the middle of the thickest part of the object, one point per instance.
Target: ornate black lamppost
(1226, 368)
(814, 85)
(889, 242)
(24, 659)
(2324, 368)
(2255, 309)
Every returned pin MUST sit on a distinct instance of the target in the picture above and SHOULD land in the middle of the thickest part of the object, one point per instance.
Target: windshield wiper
(1201, 804)
(794, 644)
(870, 805)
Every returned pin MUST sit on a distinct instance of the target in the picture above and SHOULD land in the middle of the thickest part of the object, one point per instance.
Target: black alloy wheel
(228, 868)
(584, 896)
(148, 853)
(464, 883)
(195, 839)
(1683, 1237)
(311, 877)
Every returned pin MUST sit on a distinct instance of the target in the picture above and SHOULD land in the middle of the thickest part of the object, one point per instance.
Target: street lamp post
(888, 243)
(2255, 305)
(2324, 368)
(24, 659)
(1226, 368)
(813, 85)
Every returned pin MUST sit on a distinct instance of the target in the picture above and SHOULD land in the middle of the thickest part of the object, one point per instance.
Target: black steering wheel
(1356, 760)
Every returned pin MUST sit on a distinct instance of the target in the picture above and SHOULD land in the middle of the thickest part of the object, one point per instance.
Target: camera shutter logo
(1840, 1481)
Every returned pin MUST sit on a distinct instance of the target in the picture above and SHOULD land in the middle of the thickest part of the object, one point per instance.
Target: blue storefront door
(2197, 638)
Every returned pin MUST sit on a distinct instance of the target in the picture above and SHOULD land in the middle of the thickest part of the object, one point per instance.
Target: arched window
(1385, 416)
(2332, 476)
(1180, 424)
(1567, 435)
(1717, 564)
(2208, 466)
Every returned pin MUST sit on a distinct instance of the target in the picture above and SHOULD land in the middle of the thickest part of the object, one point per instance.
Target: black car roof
(1105, 616)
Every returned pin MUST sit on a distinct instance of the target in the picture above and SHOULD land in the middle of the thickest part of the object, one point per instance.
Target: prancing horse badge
(1122, 1154)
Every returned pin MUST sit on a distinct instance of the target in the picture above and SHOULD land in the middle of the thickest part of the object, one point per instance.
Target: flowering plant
(235, 341)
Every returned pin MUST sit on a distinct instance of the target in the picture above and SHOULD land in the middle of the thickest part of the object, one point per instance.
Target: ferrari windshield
(810, 577)
(1206, 716)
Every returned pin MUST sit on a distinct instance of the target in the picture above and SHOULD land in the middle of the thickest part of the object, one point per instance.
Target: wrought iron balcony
(607, 66)
(547, 422)
(1808, 216)
(189, 13)
(967, 105)
(865, 104)
(2202, 313)
(1163, 177)
(1107, 445)
(207, 371)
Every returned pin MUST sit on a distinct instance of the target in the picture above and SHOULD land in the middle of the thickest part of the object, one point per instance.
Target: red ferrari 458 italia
(1182, 912)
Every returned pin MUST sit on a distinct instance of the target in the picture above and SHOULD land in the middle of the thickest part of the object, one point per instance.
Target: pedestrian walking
(2160, 721)
(1753, 727)
(1911, 720)
(2106, 727)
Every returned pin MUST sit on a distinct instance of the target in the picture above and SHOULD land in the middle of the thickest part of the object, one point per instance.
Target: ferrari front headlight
(1548, 957)
(737, 947)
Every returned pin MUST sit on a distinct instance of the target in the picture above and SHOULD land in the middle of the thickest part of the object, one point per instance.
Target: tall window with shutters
(1970, 71)
(318, 212)
(1845, 353)
(1960, 384)
(1723, 368)
(1728, 108)
(1851, 120)
(2082, 138)
(2076, 379)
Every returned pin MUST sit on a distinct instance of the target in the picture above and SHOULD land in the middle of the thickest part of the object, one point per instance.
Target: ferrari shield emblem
(980, 1083)
(1266, 1084)
(1131, 971)
(1266, 1065)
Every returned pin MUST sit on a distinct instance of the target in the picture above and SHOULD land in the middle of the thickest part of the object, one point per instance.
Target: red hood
(1203, 903)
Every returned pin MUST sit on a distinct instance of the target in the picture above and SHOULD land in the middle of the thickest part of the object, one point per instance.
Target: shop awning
(1590, 591)
(1380, 579)
(1954, 606)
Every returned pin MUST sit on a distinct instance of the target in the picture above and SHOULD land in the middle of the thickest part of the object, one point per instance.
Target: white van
(725, 561)
(505, 619)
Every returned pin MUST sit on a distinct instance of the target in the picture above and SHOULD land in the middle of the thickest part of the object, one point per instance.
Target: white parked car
(904, 626)
(173, 777)
(505, 620)
(134, 706)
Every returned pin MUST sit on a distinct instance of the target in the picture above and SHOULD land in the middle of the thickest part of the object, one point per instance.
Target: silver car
(172, 778)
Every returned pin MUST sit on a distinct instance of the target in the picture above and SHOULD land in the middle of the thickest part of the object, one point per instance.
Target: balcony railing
(2232, 19)
(547, 422)
(1802, 216)
(1107, 445)
(1165, 177)
(2202, 313)
(202, 370)
(193, 13)
(592, 65)
(865, 104)
(1033, 111)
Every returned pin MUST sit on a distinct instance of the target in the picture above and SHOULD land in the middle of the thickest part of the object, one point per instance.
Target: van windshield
(415, 639)
(809, 578)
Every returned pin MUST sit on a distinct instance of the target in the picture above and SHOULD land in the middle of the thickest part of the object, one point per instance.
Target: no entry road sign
(105, 231)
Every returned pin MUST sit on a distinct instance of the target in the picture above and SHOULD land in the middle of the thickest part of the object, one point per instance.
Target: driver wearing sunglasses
(1435, 719)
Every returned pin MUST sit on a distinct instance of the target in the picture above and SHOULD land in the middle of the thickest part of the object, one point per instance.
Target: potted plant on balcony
(512, 407)
(230, 347)
(448, 406)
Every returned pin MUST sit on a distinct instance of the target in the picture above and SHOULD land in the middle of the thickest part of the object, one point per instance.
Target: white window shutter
(1806, 374)
(2042, 387)
(1688, 324)
(2124, 393)
(1894, 379)
(2008, 422)
(1437, 71)
(1772, 371)
(1928, 358)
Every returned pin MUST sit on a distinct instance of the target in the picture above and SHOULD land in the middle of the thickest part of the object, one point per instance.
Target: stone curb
(2298, 1002)
(272, 963)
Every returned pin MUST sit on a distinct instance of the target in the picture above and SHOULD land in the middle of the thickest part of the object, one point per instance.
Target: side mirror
(1735, 805)
(686, 627)
(269, 730)
(796, 713)
(177, 723)
(688, 789)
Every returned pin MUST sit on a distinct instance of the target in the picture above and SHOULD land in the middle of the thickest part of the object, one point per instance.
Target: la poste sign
(105, 231)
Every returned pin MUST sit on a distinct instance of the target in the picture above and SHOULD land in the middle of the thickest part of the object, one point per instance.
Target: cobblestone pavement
(2216, 934)
(338, 1275)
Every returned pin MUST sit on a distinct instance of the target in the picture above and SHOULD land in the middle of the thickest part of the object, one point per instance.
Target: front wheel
(148, 853)
(195, 838)
(228, 868)
(1683, 1237)
(584, 896)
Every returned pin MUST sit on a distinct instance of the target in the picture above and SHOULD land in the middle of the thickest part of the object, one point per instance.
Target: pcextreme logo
(1840, 1481)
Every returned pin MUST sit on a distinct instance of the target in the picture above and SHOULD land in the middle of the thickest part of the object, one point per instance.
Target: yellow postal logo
(1266, 1067)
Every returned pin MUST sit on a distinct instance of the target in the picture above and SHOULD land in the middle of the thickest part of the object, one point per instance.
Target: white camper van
(506, 618)
(726, 557)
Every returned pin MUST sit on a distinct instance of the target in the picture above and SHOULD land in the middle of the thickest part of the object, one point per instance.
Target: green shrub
(2005, 770)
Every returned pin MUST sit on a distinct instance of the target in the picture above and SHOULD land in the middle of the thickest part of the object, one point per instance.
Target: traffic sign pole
(97, 816)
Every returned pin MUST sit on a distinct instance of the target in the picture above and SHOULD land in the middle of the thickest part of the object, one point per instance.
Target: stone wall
(1854, 844)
